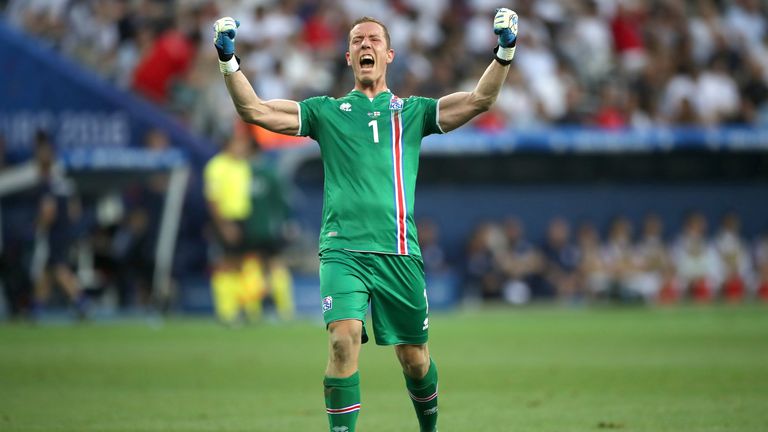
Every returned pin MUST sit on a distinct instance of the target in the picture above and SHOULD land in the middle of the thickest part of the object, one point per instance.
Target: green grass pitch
(552, 369)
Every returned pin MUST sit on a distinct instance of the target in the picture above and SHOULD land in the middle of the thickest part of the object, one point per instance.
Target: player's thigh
(399, 302)
(342, 288)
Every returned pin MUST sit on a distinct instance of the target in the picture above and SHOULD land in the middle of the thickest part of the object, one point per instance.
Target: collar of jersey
(358, 93)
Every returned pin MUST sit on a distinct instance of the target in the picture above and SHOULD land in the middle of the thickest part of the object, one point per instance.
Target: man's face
(368, 52)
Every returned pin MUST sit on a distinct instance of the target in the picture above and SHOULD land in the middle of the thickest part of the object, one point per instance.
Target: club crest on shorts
(327, 304)
(395, 104)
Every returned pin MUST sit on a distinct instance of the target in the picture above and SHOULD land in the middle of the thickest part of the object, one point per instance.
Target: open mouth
(367, 61)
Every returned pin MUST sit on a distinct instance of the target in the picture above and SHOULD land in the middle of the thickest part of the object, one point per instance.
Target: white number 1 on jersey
(375, 125)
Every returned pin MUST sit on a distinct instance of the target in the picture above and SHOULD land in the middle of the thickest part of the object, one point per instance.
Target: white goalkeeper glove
(505, 26)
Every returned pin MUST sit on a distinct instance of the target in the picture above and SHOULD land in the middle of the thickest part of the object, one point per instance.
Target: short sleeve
(309, 110)
(430, 107)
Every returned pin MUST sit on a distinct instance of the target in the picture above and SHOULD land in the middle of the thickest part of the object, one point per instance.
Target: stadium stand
(614, 111)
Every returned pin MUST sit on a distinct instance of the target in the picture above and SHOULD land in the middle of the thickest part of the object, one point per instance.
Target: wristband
(503, 55)
(230, 66)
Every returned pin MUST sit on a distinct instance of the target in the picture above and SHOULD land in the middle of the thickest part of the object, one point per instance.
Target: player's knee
(341, 351)
(414, 359)
(344, 340)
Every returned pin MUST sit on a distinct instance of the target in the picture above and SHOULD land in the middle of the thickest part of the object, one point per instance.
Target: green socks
(423, 394)
(342, 402)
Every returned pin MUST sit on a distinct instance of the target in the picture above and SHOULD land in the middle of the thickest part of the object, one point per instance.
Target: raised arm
(279, 115)
(459, 108)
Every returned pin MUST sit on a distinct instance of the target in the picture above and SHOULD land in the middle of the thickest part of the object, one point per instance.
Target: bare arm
(458, 108)
(279, 115)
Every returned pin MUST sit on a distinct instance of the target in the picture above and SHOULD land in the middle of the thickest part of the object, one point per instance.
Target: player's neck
(373, 89)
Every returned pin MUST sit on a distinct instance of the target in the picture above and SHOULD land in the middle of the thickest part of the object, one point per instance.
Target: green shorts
(393, 284)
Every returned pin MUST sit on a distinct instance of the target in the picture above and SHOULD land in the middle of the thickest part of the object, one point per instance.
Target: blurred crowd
(55, 237)
(604, 63)
(619, 264)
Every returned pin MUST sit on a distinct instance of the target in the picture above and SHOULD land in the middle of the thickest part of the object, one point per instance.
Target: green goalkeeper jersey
(370, 151)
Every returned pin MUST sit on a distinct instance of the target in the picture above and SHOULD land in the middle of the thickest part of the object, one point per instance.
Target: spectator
(561, 262)
(735, 256)
(628, 43)
(706, 30)
(718, 94)
(432, 252)
(14, 277)
(589, 43)
(618, 256)
(745, 21)
(601, 40)
(697, 262)
(593, 268)
(679, 104)
(483, 277)
(521, 264)
(655, 277)
(610, 112)
(57, 227)
(168, 59)
(761, 263)
(132, 249)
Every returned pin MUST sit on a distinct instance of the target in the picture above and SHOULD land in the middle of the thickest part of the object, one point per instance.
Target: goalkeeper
(369, 140)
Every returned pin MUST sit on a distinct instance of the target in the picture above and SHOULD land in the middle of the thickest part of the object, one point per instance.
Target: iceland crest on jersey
(395, 104)
(327, 304)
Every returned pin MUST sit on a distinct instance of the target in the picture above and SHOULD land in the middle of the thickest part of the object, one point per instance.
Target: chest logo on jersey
(395, 104)
(374, 114)
(346, 106)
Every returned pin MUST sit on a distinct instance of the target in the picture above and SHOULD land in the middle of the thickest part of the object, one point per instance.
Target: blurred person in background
(521, 263)
(14, 238)
(746, 23)
(267, 229)
(655, 277)
(561, 262)
(611, 111)
(134, 242)
(736, 258)
(593, 268)
(754, 96)
(618, 256)
(589, 42)
(364, 257)
(603, 41)
(698, 263)
(132, 249)
(627, 34)
(432, 252)
(761, 264)
(167, 59)
(56, 233)
(483, 276)
(227, 178)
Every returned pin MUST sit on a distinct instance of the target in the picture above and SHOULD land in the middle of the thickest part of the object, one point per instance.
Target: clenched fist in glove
(224, 32)
(505, 26)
